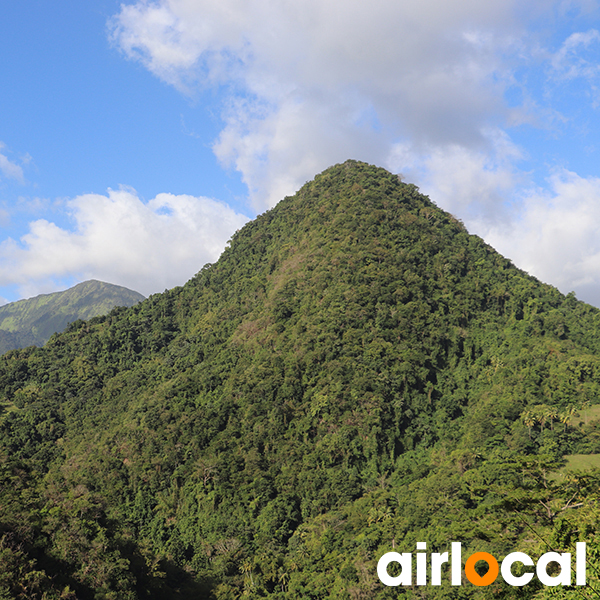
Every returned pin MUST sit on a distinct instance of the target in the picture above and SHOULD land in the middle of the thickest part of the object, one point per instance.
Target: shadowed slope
(352, 375)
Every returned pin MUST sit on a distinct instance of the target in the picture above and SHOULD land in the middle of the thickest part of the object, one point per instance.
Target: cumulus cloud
(469, 182)
(417, 87)
(555, 235)
(314, 83)
(146, 246)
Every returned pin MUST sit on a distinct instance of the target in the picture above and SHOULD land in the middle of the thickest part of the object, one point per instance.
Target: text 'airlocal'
(454, 558)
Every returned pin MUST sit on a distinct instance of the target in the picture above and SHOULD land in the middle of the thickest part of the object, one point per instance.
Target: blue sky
(136, 137)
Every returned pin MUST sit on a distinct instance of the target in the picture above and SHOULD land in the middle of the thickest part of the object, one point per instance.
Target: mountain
(355, 374)
(31, 322)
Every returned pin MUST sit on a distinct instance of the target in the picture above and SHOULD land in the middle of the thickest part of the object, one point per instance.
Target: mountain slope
(32, 321)
(356, 373)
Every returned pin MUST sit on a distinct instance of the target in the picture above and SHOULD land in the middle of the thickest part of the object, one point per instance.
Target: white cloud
(312, 83)
(570, 61)
(121, 239)
(556, 235)
(577, 59)
(10, 169)
(416, 86)
(4, 218)
(466, 181)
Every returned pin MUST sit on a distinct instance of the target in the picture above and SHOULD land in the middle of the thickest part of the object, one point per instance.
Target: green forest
(356, 374)
(32, 322)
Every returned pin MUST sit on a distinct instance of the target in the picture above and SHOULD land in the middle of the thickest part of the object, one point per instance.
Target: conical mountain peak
(356, 373)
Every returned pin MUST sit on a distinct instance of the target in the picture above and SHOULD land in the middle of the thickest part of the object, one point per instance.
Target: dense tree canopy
(356, 373)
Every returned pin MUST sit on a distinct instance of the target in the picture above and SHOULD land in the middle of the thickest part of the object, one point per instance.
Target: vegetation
(31, 322)
(355, 374)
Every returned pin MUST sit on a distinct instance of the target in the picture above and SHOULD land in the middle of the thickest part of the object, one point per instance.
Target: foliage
(356, 373)
(32, 322)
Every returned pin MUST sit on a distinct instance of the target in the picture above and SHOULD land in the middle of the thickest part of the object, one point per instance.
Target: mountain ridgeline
(355, 374)
(33, 321)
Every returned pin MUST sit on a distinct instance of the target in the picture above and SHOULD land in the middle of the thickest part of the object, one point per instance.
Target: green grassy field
(582, 462)
(577, 462)
(586, 415)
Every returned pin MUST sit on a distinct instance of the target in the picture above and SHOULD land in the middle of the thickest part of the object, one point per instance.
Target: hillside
(31, 322)
(355, 374)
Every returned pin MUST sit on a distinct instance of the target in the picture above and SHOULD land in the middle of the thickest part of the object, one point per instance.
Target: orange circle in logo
(473, 576)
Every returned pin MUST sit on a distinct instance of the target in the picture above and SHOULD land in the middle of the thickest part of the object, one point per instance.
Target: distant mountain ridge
(33, 321)
(355, 374)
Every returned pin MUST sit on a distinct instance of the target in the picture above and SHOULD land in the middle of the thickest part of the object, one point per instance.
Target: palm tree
(541, 414)
(551, 414)
(529, 420)
(567, 416)
(247, 569)
(283, 578)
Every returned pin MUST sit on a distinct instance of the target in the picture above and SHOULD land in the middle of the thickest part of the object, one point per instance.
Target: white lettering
(404, 560)
(507, 563)
(563, 559)
(421, 564)
(437, 560)
(456, 563)
(580, 563)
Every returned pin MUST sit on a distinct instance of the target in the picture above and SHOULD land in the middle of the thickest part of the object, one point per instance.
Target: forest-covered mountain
(355, 374)
(31, 322)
